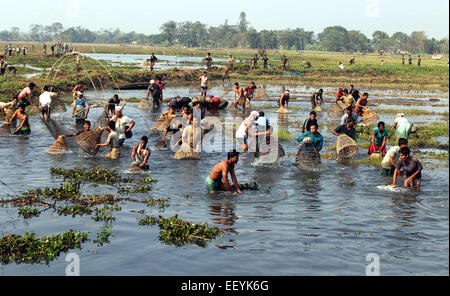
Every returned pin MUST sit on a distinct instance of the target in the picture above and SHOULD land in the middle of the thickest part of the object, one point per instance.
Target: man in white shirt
(45, 101)
(112, 142)
(243, 130)
(348, 114)
(124, 125)
(391, 158)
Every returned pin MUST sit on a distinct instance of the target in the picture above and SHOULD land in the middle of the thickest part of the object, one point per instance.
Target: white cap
(152, 81)
(118, 108)
(254, 114)
(400, 115)
(287, 92)
(79, 93)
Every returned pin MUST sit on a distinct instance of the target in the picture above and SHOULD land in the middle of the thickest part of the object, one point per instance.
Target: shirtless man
(238, 94)
(141, 154)
(284, 100)
(24, 127)
(249, 93)
(218, 179)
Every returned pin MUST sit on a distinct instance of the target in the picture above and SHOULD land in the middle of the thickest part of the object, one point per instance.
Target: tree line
(197, 34)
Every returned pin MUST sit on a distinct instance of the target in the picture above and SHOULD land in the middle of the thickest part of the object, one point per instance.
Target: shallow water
(164, 61)
(300, 228)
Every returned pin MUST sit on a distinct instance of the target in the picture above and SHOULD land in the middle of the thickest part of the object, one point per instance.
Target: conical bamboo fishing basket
(88, 140)
(307, 154)
(282, 110)
(188, 154)
(144, 104)
(346, 147)
(59, 146)
(260, 95)
(370, 117)
(342, 105)
(265, 150)
(160, 126)
(334, 111)
(318, 109)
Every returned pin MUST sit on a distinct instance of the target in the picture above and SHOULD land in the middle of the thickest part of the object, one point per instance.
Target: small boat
(132, 86)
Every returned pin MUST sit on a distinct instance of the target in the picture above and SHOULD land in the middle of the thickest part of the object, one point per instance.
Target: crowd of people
(396, 161)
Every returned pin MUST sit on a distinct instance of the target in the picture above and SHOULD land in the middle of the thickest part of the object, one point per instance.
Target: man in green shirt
(315, 136)
(379, 138)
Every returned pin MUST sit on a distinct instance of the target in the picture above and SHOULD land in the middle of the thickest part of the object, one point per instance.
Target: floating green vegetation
(433, 155)
(28, 213)
(313, 181)
(103, 237)
(132, 190)
(175, 231)
(75, 210)
(252, 186)
(284, 135)
(161, 203)
(350, 182)
(29, 248)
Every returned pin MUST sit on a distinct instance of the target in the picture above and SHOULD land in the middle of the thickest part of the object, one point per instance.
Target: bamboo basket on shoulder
(370, 117)
(88, 140)
(346, 147)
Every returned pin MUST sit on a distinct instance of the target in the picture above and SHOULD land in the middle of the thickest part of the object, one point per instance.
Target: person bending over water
(141, 154)
(218, 178)
(22, 116)
(112, 141)
(410, 167)
(391, 159)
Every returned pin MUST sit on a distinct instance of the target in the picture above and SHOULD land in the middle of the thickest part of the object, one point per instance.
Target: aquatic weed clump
(29, 248)
(252, 186)
(175, 231)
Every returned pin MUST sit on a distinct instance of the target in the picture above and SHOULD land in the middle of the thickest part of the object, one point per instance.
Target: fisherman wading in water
(140, 155)
(22, 116)
(218, 178)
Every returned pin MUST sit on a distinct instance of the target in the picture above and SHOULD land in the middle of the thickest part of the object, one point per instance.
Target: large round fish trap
(346, 147)
(160, 126)
(88, 141)
(376, 156)
(260, 95)
(370, 117)
(334, 111)
(144, 104)
(59, 146)
(55, 128)
(307, 154)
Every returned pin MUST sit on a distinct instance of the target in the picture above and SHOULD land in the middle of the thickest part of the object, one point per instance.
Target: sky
(146, 17)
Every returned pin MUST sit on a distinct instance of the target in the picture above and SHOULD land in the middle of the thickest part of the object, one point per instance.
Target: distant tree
(358, 41)
(400, 40)
(253, 39)
(243, 24)
(169, 31)
(443, 45)
(417, 41)
(380, 40)
(334, 39)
